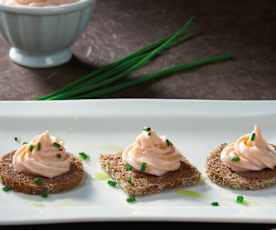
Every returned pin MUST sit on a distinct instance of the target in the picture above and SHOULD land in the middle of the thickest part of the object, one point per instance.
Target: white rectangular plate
(195, 127)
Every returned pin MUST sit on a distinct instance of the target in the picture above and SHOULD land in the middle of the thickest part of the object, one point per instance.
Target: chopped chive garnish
(6, 189)
(235, 159)
(31, 147)
(129, 180)
(57, 145)
(112, 183)
(38, 180)
(215, 204)
(38, 147)
(44, 194)
(128, 167)
(16, 139)
(168, 142)
(131, 199)
(147, 129)
(253, 137)
(83, 156)
(240, 199)
(143, 167)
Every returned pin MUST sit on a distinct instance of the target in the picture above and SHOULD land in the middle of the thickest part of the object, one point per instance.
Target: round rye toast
(250, 180)
(25, 183)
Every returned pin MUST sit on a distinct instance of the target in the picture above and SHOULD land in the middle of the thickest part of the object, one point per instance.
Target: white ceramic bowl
(41, 36)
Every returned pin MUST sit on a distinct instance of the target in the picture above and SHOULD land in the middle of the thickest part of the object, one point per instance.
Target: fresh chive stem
(104, 69)
(104, 81)
(94, 83)
(107, 78)
(155, 76)
(146, 55)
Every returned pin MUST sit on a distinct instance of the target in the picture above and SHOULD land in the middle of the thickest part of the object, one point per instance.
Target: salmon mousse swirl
(152, 154)
(43, 156)
(250, 152)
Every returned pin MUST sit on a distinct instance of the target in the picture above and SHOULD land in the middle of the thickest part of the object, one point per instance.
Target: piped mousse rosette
(149, 165)
(41, 166)
(248, 164)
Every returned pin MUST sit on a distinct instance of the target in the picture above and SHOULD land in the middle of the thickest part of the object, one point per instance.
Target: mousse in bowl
(40, 32)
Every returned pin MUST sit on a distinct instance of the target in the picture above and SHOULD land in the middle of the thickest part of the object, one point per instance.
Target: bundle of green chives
(104, 80)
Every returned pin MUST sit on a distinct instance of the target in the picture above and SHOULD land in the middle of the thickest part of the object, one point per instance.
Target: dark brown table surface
(247, 29)
(244, 28)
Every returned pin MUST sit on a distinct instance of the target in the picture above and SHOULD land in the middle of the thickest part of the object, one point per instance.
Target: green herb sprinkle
(143, 167)
(235, 159)
(83, 156)
(57, 145)
(44, 194)
(38, 180)
(112, 183)
(240, 199)
(129, 180)
(168, 142)
(253, 137)
(6, 189)
(38, 147)
(147, 129)
(215, 204)
(31, 148)
(131, 199)
(128, 167)
(16, 139)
